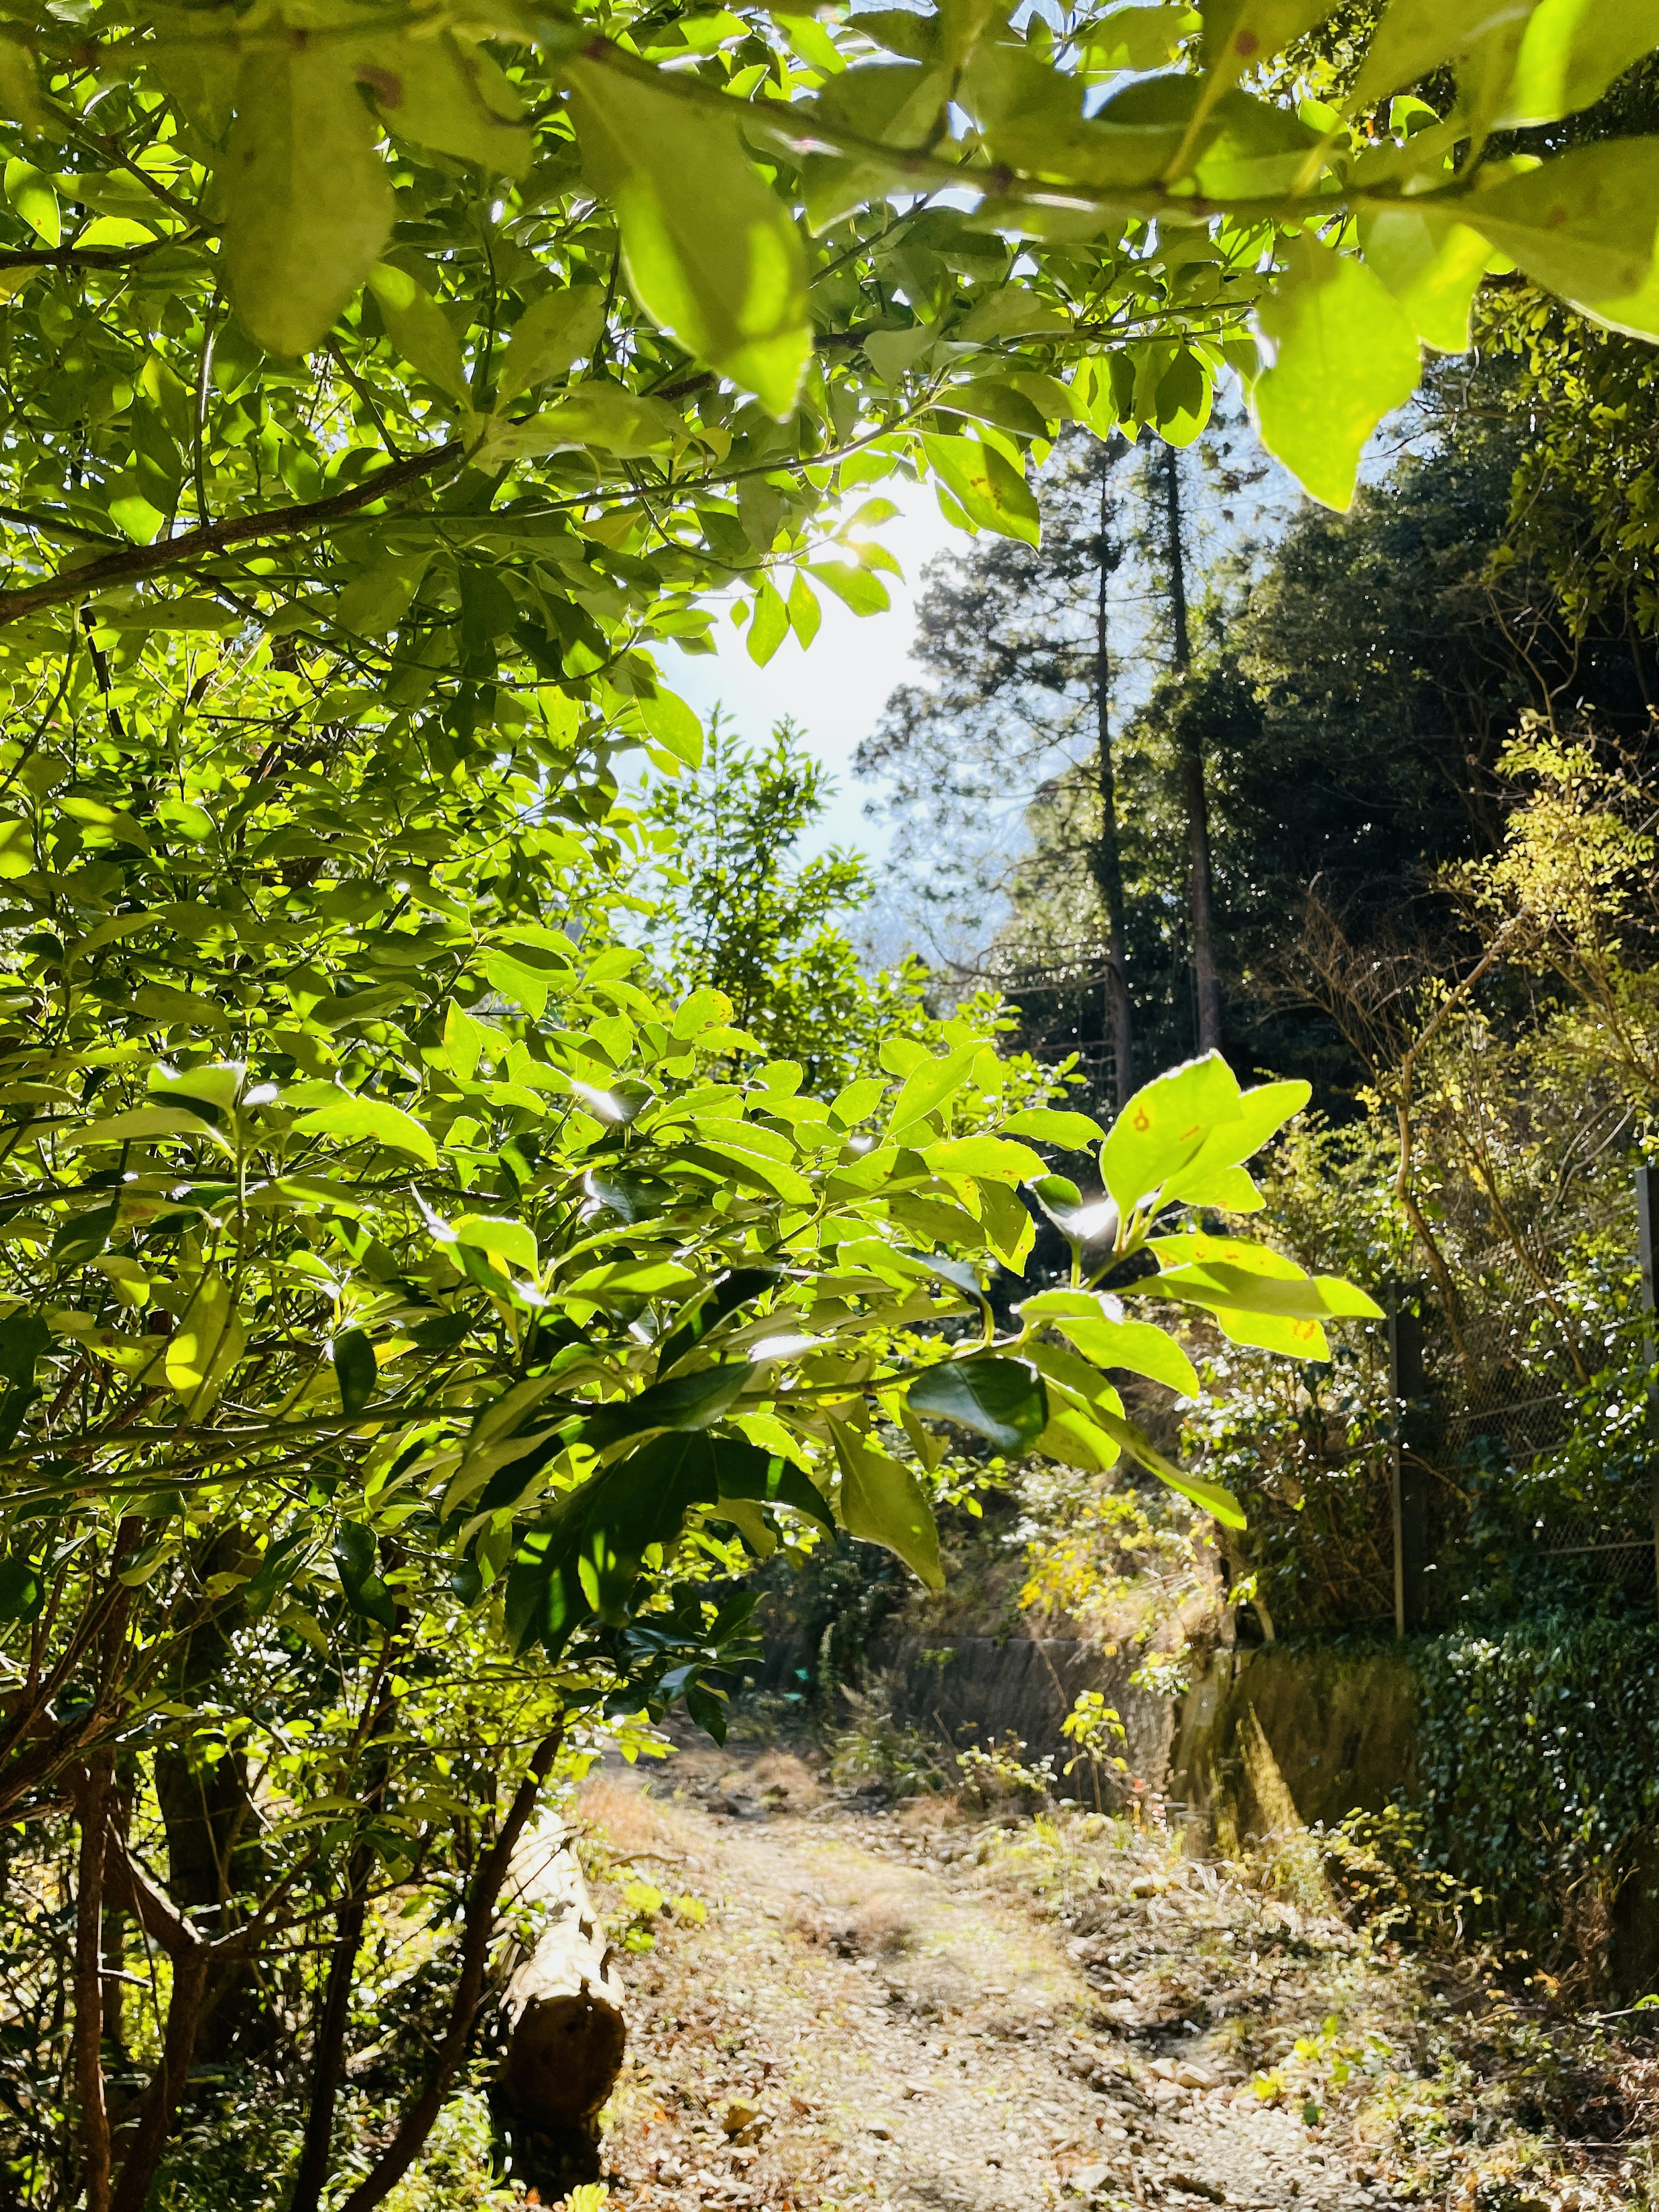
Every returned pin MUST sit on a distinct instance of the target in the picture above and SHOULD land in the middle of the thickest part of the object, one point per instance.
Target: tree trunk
(93, 1808)
(420, 2117)
(1195, 799)
(566, 2037)
(1109, 858)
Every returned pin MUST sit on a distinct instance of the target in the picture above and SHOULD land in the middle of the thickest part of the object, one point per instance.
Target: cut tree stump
(565, 2031)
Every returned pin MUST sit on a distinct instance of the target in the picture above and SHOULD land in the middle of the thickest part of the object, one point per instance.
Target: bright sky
(835, 691)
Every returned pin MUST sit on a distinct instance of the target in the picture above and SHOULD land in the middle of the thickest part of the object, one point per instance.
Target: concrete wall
(978, 1689)
(1341, 1729)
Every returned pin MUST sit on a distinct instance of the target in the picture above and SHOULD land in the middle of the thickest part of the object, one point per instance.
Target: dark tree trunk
(1194, 798)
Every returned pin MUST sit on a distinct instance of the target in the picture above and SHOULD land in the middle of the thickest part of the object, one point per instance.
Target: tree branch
(136, 562)
(418, 2121)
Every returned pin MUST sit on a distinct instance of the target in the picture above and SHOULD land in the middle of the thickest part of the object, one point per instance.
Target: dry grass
(631, 1822)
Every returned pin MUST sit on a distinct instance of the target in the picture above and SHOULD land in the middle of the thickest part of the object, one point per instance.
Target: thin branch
(140, 561)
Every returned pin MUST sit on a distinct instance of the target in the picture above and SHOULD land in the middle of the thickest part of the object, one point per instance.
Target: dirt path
(874, 2014)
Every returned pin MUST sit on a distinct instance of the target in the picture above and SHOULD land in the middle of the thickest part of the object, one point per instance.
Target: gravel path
(871, 2014)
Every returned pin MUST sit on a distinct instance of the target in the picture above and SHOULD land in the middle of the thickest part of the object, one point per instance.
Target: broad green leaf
(1417, 36)
(720, 266)
(205, 1347)
(447, 91)
(308, 198)
(1239, 35)
(553, 334)
(1051, 1125)
(1002, 1399)
(1166, 1126)
(605, 417)
(1571, 52)
(1345, 356)
(1432, 268)
(1221, 1503)
(1106, 1338)
(512, 1241)
(859, 592)
(143, 1125)
(22, 1589)
(927, 1087)
(355, 1118)
(1074, 1440)
(355, 1370)
(805, 612)
(683, 1401)
(642, 1501)
(1223, 1286)
(769, 623)
(736, 1288)
(1205, 1180)
(881, 1502)
(1584, 225)
(419, 328)
(1137, 38)
(465, 1041)
(356, 1560)
(985, 484)
(672, 724)
(31, 192)
(747, 1472)
(377, 603)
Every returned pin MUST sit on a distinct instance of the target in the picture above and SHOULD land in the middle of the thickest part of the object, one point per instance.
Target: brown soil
(901, 2010)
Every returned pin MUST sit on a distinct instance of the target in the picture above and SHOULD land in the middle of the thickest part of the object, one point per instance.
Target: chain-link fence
(1491, 1387)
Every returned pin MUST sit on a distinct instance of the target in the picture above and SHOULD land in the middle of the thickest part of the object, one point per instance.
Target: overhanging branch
(133, 564)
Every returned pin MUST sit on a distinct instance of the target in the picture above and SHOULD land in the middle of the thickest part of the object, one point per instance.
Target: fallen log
(566, 2033)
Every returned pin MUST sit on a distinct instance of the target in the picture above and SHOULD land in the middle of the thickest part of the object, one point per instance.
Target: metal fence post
(1409, 1478)
(1647, 1213)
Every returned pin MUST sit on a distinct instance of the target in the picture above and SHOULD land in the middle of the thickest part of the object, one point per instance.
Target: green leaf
(22, 1589)
(1571, 52)
(928, 1085)
(1417, 36)
(1432, 268)
(768, 625)
(1166, 1126)
(356, 1560)
(683, 1402)
(1220, 1502)
(746, 1472)
(672, 724)
(1102, 1336)
(989, 487)
(1050, 1126)
(419, 329)
(355, 1370)
(720, 267)
(805, 613)
(639, 1503)
(31, 192)
(1346, 355)
(142, 1124)
(1583, 225)
(605, 417)
(1205, 1179)
(737, 1287)
(447, 91)
(1002, 1399)
(377, 1120)
(308, 199)
(83, 1236)
(1223, 1286)
(859, 592)
(1137, 38)
(553, 334)
(881, 1502)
